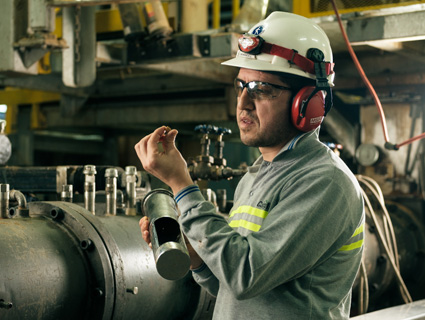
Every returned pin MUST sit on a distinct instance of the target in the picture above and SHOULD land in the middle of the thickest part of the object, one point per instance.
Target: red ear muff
(309, 115)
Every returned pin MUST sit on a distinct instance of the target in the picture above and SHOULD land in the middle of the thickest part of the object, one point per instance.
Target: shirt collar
(289, 146)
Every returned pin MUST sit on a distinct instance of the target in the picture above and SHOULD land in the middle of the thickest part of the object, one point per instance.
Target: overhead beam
(401, 27)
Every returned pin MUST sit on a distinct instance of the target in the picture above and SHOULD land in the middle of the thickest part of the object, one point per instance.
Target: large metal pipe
(62, 262)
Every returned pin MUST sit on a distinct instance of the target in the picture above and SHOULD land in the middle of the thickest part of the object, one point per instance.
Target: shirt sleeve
(206, 279)
(307, 226)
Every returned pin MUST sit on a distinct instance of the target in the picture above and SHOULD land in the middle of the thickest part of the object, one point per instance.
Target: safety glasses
(258, 90)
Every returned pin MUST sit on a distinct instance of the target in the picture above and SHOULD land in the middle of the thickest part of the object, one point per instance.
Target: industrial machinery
(70, 260)
(83, 257)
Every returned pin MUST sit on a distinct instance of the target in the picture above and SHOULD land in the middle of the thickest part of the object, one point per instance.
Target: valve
(209, 167)
(219, 146)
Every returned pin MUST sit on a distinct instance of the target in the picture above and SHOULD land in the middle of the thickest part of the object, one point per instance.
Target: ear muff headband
(311, 104)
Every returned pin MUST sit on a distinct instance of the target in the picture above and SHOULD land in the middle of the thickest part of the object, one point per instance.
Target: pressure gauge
(5, 149)
(5, 145)
(367, 154)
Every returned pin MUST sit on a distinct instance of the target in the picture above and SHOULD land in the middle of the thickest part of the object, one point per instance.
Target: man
(292, 245)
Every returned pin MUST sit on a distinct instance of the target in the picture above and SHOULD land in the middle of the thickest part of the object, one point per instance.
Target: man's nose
(244, 101)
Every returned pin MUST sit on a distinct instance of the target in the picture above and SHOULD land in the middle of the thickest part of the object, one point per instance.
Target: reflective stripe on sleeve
(251, 211)
(247, 217)
(356, 240)
(245, 224)
(352, 246)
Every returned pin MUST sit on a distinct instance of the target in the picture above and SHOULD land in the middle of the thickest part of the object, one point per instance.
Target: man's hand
(167, 164)
(195, 260)
(144, 227)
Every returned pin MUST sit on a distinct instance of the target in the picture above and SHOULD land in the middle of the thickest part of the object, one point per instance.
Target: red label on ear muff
(314, 110)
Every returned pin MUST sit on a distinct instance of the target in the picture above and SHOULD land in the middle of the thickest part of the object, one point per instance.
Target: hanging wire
(387, 237)
(388, 144)
(363, 289)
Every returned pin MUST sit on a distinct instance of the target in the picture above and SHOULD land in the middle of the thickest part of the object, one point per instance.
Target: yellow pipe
(12, 96)
(303, 7)
(11, 116)
(236, 4)
(216, 14)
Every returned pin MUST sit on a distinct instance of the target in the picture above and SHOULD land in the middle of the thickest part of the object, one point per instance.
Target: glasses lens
(239, 85)
(262, 91)
(257, 90)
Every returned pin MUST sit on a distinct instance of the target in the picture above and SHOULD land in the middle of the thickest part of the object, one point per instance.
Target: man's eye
(265, 89)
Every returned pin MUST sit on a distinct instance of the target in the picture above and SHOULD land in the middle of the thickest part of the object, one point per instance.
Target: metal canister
(168, 245)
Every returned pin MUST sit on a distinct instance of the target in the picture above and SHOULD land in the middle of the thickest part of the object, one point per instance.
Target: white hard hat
(288, 43)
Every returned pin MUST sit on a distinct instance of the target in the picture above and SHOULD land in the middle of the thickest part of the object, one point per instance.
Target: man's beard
(280, 132)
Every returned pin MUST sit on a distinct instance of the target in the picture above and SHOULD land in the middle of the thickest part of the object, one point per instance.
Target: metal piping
(194, 16)
(90, 188)
(111, 176)
(4, 201)
(67, 193)
(19, 197)
(130, 187)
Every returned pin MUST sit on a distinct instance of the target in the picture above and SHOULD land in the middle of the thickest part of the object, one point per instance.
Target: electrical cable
(408, 171)
(390, 246)
(403, 289)
(389, 230)
(388, 144)
(364, 289)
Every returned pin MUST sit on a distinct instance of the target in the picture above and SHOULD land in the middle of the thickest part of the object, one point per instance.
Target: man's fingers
(156, 136)
(144, 227)
(141, 147)
(146, 236)
(169, 139)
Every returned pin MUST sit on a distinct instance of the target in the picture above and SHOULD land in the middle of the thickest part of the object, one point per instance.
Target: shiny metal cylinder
(67, 193)
(130, 188)
(90, 188)
(111, 176)
(169, 249)
(4, 201)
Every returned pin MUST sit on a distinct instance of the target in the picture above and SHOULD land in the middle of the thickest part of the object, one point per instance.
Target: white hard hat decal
(258, 30)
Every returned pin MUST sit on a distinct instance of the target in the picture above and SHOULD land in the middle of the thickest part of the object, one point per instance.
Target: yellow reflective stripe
(352, 246)
(358, 230)
(250, 210)
(245, 224)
